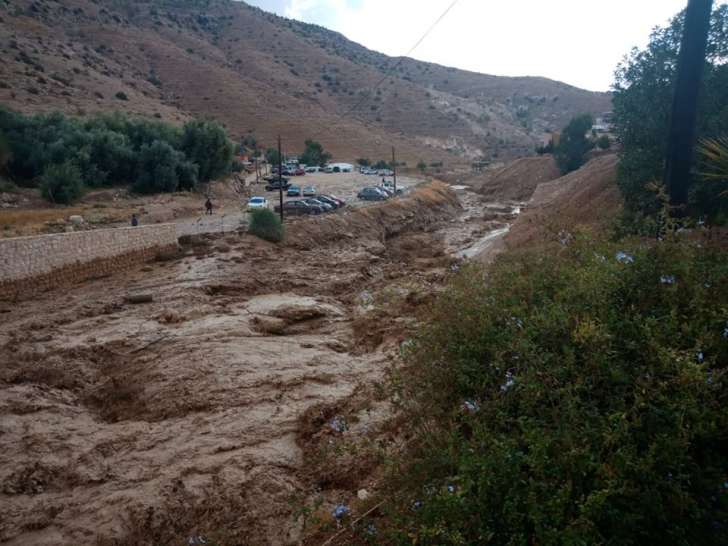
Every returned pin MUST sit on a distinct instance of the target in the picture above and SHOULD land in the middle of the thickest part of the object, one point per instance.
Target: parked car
(294, 191)
(338, 201)
(274, 178)
(386, 190)
(372, 194)
(274, 186)
(257, 203)
(313, 169)
(329, 201)
(318, 203)
(299, 172)
(385, 172)
(309, 191)
(300, 208)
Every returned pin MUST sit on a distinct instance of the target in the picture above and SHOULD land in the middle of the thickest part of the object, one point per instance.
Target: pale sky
(579, 42)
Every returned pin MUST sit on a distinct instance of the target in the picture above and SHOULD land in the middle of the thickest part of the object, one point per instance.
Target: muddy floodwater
(214, 408)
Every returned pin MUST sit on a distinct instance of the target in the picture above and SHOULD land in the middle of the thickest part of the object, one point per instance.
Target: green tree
(643, 94)
(62, 183)
(272, 156)
(206, 144)
(158, 168)
(5, 153)
(363, 162)
(574, 144)
(314, 154)
(422, 166)
(604, 143)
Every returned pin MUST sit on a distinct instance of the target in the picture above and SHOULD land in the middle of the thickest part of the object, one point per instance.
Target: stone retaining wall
(32, 264)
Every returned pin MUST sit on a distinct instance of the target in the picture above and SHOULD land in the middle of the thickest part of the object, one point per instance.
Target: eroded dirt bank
(217, 409)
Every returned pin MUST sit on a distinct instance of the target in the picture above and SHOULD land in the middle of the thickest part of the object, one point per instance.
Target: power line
(397, 64)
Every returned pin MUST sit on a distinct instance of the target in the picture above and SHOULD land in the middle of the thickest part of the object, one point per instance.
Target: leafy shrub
(604, 143)
(573, 144)
(62, 183)
(572, 398)
(265, 224)
(121, 96)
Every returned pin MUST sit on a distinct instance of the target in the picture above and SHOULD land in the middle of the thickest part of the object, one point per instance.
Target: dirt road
(247, 390)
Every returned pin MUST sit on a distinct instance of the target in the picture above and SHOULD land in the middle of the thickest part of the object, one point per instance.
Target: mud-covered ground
(249, 392)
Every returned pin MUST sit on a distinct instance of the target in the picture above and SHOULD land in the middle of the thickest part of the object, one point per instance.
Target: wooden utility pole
(280, 176)
(690, 65)
(394, 170)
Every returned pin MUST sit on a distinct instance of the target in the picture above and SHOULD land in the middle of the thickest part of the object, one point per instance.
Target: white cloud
(576, 41)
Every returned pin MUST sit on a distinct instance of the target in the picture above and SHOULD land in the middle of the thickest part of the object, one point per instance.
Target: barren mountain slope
(262, 74)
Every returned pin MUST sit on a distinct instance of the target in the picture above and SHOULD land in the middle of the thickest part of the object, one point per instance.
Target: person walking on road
(208, 206)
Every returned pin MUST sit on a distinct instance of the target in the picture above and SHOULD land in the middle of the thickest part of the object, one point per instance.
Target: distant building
(603, 123)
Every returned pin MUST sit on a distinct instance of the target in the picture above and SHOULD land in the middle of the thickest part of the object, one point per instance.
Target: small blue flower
(451, 488)
(667, 279)
(340, 512)
(510, 381)
(470, 406)
(371, 530)
(517, 322)
(624, 258)
(416, 505)
(338, 424)
(725, 331)
(700, 356)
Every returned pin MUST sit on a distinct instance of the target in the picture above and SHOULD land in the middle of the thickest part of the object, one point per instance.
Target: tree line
(64, 155)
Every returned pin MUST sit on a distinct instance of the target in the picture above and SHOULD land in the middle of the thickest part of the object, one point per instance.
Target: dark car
(300, 208)
(372, 194)
(274, 186)
(299, 172)
(319, 203)
(329, 201)
(339, 202)
(274, 178)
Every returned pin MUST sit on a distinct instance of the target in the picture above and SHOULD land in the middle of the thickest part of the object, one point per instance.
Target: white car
(257, 203)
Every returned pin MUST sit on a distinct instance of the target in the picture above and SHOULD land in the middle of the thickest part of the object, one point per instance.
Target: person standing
(134, 220)
(208, 206)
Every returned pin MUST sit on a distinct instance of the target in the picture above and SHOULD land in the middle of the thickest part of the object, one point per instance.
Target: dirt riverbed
(247, 391)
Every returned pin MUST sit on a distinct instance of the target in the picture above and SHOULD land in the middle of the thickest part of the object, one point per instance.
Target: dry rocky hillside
(264, 75)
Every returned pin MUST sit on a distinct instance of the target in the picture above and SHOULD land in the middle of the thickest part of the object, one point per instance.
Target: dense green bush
(206, 144)
(571, 152)
(572, 398)
(265, 224)
(115, 149)
(61, 183)
(643, 97)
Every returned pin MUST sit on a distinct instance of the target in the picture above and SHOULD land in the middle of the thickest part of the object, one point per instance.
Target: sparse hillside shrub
(266, 224)
(61, 183)
(604, 143)
(121, 96)
(643, 96)
(572, 397)
(422, 166)
(574, 144)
